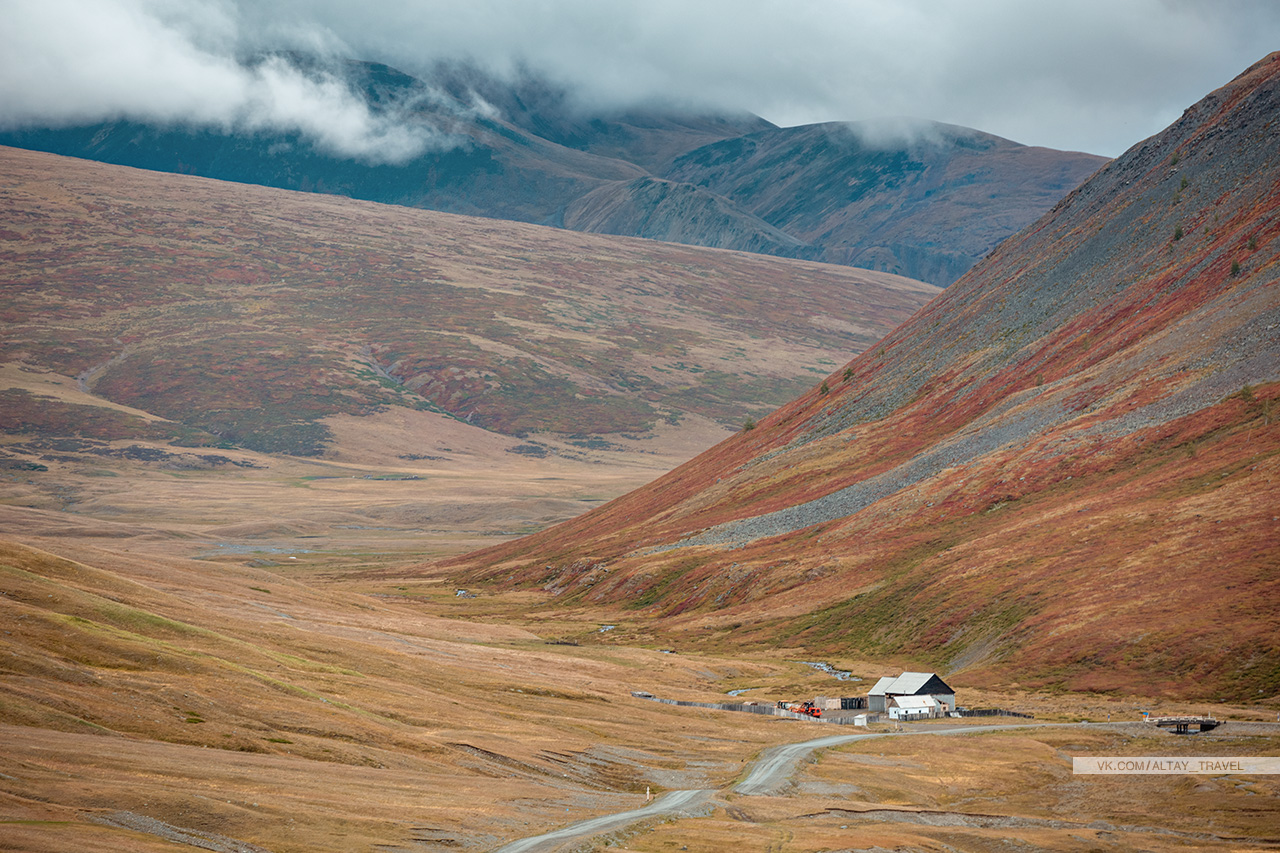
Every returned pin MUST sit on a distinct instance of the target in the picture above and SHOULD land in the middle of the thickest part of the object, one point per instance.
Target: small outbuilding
(914, 708)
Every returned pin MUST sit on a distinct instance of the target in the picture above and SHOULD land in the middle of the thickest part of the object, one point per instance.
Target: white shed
(915, 708)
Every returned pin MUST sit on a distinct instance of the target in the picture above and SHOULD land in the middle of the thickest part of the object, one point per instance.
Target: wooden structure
(1182, 725)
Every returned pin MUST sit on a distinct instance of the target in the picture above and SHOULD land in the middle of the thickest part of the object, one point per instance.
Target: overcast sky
(1091, 75)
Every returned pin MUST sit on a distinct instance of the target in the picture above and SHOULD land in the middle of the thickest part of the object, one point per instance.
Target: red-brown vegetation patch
(254, 313)
(1058, 471)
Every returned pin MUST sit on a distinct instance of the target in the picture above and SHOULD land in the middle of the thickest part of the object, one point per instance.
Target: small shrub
(1183, 186)
(825, 389)
(748, 425)
(1235, 268)
(1177, 155)
(1253, 242)
(848, 374)
(1177, 233)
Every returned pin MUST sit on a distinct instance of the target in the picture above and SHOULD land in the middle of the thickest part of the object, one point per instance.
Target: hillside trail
(767, 775)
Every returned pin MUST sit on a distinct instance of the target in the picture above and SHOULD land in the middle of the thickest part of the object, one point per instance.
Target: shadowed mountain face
(926, 202)
(1062, 472)
(928, 198)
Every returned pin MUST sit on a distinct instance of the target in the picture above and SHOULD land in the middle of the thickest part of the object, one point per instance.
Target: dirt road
(669, 803)
(770, 772)
(775, 765)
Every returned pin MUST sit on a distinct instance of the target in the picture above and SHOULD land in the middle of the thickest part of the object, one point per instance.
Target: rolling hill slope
(1060, 473)
(250, 315)
(926, 205)
(247, 366)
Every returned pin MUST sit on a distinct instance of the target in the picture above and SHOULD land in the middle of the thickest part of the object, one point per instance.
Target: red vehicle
(808, 708)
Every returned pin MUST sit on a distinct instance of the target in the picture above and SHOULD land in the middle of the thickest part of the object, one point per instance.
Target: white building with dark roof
(911, 684)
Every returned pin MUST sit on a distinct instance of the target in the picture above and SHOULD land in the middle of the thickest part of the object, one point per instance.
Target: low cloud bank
(66, 62)
(1091, 75)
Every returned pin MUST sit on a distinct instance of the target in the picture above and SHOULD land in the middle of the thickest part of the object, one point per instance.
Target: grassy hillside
(251, 315)
(233, 701)
(155, 704)
(1060, 473)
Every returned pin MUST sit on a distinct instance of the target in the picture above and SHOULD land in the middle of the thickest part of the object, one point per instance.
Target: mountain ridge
(524, 151)
(1043, 436)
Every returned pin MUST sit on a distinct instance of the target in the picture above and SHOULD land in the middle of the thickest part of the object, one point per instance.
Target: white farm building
(889, 691)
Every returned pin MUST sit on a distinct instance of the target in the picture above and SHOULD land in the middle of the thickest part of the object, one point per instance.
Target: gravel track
(773, 769)
(769, 774)
(672, 802)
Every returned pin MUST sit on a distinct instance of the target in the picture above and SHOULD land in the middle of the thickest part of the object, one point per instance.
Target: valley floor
(241, 658)
(152, 702)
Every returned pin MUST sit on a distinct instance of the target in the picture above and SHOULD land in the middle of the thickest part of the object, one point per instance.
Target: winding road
(768, 774)
(672, 802)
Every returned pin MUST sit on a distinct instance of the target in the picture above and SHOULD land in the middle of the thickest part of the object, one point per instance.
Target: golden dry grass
(363, 502)
(296, 708)
(987, 792)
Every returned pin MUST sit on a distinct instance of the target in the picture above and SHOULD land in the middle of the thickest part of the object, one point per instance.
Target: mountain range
(919, 199)
(1061, 473)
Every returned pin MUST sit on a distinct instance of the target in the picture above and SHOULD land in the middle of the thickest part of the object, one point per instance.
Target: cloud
(896, 132)
(1094, 75)
(279, 97)
(67, 62)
